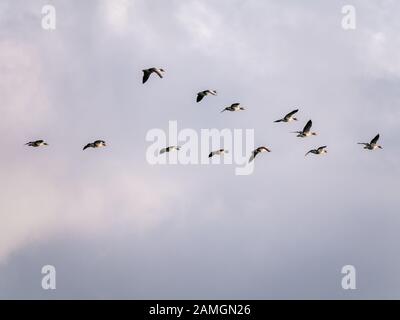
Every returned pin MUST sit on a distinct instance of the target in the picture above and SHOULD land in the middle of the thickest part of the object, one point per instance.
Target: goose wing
(321, 148)
(307, 127)
(290, 114)
(146, 75)
(253, 155)
(375, 140)
(200, 96)
(311, 151)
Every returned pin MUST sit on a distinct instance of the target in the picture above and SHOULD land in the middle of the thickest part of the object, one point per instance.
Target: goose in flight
(37, 143)
(96, 144)
(202, 94)
(373, 144)
(306, 131)
(320, 150)
(234, 107)
(168, 149)
(148, 72)
(289, 117)
(257, 151)
(218, 152)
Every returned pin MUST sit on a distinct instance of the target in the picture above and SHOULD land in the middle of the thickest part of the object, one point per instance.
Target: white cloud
(36, 205)
(24, 101)
(116, 13)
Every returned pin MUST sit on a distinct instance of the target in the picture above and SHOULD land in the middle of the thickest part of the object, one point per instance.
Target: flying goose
(233, 107)
(373, 144)
(257, 151)
(320, 150)
(37, 143)
(202, 94)
(96, 144)
(168, 149)
(218, 152)
(148, 72)
(289, 117)
(306, 131)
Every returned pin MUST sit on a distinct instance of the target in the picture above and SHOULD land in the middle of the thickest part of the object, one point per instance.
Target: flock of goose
(306, 132)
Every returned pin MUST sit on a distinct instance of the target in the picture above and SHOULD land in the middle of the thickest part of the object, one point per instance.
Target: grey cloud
(116, 227)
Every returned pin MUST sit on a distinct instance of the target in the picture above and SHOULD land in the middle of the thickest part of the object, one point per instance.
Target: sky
(116, 227)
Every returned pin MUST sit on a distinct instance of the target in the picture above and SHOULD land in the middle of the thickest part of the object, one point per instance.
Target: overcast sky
(116, 227)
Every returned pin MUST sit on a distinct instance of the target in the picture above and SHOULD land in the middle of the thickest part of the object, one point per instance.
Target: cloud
(116, 14)
(24, 99)
(39, 204)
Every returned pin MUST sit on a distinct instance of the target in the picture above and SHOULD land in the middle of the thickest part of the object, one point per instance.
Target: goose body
(147, 73)
(204, 93)
(233, 107)
(170, 148)
(257, 151)
(306, 131)
(320, 150)
(373, 145)
(96, 144)
(217, 152)
(37, 143)
(289, 117)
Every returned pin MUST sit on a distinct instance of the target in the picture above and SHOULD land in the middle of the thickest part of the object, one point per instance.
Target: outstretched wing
(253, 155)
(375, 140)
(146, 75)
(87, 146)
(290, 114)
(200, 96)
(308, 126)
